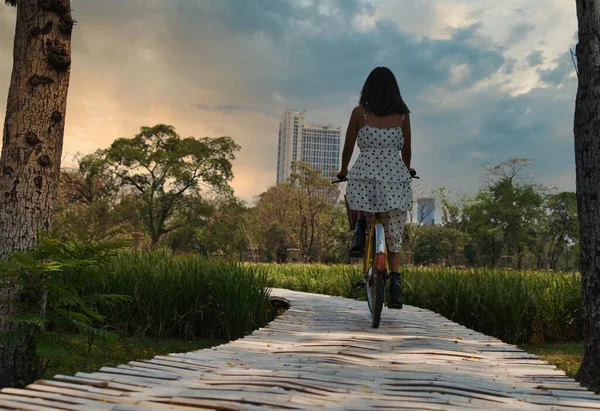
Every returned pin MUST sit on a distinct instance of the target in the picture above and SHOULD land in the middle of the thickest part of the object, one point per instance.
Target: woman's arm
(351, 133)
(406, 148)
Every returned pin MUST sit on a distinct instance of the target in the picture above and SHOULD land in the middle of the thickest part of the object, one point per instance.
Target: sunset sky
(485, 79)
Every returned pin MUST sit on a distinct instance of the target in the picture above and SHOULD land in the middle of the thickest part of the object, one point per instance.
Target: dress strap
(365, 114)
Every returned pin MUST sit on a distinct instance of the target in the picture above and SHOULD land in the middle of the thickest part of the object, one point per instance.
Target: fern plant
(53, 283)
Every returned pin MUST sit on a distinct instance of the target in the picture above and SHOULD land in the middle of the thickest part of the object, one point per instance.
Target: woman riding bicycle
(379, 181)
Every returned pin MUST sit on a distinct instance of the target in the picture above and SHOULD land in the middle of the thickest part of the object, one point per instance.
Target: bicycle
(375, 265)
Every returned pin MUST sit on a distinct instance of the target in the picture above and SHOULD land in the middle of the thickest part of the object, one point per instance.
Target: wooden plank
(322, 353)
(53, 404)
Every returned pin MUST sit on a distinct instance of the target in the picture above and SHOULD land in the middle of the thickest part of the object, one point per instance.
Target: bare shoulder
(357, 111)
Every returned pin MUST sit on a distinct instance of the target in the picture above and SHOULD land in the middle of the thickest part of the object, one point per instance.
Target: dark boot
(358, 241)
(395, 291)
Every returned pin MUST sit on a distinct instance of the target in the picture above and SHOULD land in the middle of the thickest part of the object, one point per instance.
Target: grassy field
(186, 303)
(186, 297)
(518, 307)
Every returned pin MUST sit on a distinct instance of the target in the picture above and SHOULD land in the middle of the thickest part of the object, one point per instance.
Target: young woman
(379, 181)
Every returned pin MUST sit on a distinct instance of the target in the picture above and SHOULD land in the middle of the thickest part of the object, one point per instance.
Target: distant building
(426, 211)
(299, 140)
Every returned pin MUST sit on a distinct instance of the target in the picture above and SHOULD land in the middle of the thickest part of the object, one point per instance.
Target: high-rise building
(426, 211)
(299, 140)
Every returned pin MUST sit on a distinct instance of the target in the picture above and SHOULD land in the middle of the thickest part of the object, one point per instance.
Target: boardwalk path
(322, 353)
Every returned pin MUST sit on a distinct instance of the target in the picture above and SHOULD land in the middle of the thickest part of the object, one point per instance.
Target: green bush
(185, 296)
(517, 307)
(53, 294)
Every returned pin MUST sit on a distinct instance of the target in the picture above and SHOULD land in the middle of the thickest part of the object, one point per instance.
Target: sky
(484, 80)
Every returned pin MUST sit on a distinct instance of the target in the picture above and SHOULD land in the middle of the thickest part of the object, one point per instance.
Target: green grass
(185, 297)
(314, 278)
(121, 352)
(515, 306)
(566, 356)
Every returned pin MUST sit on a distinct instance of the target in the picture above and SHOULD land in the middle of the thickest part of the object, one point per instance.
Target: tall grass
(315, 278)
(514, 306)
(185, 296)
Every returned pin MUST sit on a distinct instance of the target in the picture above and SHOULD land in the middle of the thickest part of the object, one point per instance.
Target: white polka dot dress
(379, 181)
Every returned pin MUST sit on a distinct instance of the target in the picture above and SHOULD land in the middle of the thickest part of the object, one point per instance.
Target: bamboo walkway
(322, 353)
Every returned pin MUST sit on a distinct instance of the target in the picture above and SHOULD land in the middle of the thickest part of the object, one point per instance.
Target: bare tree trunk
(31, 154)
(587, 160)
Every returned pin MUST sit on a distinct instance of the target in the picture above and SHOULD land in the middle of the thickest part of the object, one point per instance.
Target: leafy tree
(315, 200)
(92, 180)
(455, 223)
(414, 223)
(587, 162)
(335, 249)
(90, 203)
(273, 220)
(31, 154)
(503, 214)
(189, 220)
(164, 168)
(562, 227)
(226, 231)
(432, 246)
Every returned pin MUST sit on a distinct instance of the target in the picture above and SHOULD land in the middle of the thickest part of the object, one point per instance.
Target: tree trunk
(587, 160)
(519, 258)
(31, 153)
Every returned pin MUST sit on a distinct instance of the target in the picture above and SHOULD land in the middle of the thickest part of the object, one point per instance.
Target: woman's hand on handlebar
(413, 173)
(341, 176)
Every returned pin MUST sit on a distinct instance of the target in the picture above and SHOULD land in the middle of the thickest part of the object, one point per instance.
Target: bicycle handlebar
(413, 174)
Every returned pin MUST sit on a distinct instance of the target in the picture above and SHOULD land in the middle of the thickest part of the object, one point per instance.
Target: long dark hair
(381, 95)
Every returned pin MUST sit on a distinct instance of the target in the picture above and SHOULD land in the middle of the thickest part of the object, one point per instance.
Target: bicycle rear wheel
(374, 283)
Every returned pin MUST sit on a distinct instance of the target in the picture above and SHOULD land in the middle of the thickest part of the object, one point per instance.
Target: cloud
(518, 33)
(535, 58)
(230, 67)
(563, 70)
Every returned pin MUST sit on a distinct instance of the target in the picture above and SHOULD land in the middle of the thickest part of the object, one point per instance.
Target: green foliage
(51, 282)
(226, 231)
(332, 279)
(183, 296)
(164, 168)
(438, 245)
(516, 306)
(91, 205)
(501, 218)
(302, 214)
(562, 227)
(214, 226)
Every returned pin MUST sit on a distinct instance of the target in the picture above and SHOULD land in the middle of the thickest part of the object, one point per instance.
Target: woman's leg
(394, 261)
(394, 221)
